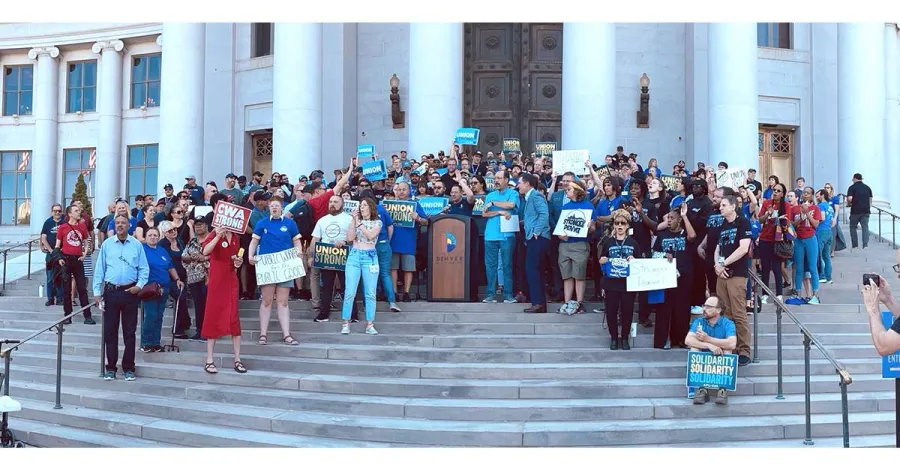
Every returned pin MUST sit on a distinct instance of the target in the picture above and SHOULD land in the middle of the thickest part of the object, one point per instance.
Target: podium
(449, 253)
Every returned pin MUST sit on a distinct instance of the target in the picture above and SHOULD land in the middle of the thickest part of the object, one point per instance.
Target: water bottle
(40, 291)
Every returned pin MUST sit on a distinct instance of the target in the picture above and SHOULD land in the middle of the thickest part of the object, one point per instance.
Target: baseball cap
(231, 175)
(257, 173)
(301, 178)
(190, 177)
(261, 195)
(168, 187)
(242, 178)
(857, 176)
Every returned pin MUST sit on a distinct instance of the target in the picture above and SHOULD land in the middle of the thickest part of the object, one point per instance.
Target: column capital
(36, 52)
(159, 40)
(112, 44)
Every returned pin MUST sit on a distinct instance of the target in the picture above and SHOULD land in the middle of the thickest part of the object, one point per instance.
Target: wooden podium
(448, 258)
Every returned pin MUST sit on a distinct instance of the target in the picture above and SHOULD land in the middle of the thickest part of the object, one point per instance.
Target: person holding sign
(673, 316)
(273, 235)
(615, 252)
(573, 249)
(221, 316)
(362, 263)
(732, 257)
(404, 241)
(331, 229)
(711, 333)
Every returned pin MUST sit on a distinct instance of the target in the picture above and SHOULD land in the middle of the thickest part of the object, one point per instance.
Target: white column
(892, 111)
(589, 88)
(181, 103)
(733, 96)
(44, 154)
(861, 91)
(109, 146)
(435, 91)
(297, 99)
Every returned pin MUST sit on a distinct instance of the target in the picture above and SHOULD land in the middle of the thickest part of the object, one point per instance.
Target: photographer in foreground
(874, 292)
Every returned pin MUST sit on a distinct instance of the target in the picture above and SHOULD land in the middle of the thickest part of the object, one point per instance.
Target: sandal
(263, 340)
(239, 367)
(211, 368)
(289, 340)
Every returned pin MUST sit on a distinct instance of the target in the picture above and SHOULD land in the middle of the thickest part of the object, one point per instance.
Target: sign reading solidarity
(433, 204)
(329, 257)
(402, 212)
(544, 149)
(705, 370)
(279, 267)
(231, 217)
(365, 150)
(511, 144)
(374, 170)
(570, 161)
(467, 136)
(650, 274)
(573, 223)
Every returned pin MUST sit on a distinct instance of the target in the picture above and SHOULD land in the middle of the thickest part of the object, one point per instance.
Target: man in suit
(537, 239)
(557, 200)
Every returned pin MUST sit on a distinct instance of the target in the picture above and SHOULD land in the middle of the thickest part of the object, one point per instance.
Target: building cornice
(79, 37)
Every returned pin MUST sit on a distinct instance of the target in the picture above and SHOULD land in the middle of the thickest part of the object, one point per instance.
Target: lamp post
(397, 116)
(643, 114)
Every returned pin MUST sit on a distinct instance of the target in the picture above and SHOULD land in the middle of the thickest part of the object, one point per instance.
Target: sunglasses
(184, 197)
(620, 223)
(896, 268)
(365, 185)
(177, 212)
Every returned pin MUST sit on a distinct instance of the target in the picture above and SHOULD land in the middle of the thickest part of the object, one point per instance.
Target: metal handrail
(6, 250)
(809, 339)
(894, 219)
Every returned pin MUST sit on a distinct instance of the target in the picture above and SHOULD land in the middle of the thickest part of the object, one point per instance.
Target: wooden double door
(513, 83)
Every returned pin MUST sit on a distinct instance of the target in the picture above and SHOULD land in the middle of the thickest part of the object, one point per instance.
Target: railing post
(103, 343)
(780, 394)
(755, 295)
(879, 224)
(6, 362)
(845, 412)
(59, 351)
(808, 390)
(893, 232)
(5, 253)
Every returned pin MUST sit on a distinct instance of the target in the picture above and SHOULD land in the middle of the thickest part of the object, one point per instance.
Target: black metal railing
(881, 213)
(809, 339)
(6, 250)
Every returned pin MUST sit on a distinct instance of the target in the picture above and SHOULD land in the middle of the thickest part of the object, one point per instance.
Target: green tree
(80, 194)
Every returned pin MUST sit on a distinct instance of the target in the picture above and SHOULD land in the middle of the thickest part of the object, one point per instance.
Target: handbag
(150, 291)
(784, 245)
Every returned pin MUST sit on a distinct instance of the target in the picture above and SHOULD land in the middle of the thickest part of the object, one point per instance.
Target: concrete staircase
(448, 375)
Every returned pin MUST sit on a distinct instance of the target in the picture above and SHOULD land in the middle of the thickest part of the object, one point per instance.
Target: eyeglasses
(170, 231)
(896, 268)
(177, 212)
(620, 223)
(775, 190)
(57, 210)
(184, 197)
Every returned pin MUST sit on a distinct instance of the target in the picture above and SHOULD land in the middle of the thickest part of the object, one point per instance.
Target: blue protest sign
(705, 370)
(402, 212)
(441, 171)
(433, 204)
(329, 257)
(890, 364)
(374, 170)
(365, 150)
(467, 136)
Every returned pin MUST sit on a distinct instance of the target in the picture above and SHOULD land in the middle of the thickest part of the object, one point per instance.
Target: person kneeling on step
(711, 333)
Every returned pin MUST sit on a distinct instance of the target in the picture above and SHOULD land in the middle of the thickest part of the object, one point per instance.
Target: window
(142, 162)
(145, 80)
(773, 35)
(17, 89)
(77, 162)
(15, 188)
(82, 87)
(263, 39)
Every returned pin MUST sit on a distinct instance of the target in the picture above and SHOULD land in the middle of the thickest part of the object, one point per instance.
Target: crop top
(368, 224)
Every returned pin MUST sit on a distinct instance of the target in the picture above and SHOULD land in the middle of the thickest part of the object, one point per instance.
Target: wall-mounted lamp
(397, 116)
(643, 114)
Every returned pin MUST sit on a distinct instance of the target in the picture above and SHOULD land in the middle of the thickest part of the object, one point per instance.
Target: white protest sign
(350, 206)
(570, 161)
(200, 211)
(732, 177)
(649, 274)
(573, 223)
(279, 267)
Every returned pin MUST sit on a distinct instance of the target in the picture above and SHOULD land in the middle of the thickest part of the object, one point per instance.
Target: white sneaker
(490, 300)
(823, 280)
(394, 307)
(598, 311)
(345, 329)
(813, 300)
(370, 329)
(571, 307)
(764, 299)
(510, 301)
(562, 308)
(696, 310)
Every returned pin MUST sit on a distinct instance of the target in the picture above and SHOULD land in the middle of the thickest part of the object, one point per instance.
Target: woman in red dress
(221, 316)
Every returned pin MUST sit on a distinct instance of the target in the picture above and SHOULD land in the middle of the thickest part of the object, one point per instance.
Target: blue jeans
(826, 240)
(54, 293)
(360, 264)
(498, 254)
(151, 327)
(806, 257)
(384, 267)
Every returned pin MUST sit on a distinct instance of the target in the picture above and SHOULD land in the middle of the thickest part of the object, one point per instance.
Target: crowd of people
(164, 251)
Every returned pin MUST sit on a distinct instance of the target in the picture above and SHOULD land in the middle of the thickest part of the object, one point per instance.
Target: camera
(873, 277)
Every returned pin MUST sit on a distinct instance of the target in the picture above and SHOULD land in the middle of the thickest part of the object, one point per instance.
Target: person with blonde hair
(574, 253)
(615, 252)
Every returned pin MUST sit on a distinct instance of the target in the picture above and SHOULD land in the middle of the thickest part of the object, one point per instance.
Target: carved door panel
(776, 155)
(513, 82)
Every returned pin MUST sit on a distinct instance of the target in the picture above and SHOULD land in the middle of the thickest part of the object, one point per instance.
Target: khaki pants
(733, 293)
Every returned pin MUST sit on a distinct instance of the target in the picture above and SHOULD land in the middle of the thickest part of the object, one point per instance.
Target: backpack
(303, 217)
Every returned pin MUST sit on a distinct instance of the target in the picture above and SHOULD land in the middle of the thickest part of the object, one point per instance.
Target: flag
(92, 162)
(25, 158)
(86, 173)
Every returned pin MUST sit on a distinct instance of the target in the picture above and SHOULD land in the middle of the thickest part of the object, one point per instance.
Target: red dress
(221, 316)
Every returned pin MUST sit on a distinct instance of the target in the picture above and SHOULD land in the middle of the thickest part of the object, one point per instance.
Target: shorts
(573, 259)
(403, 261)
(286, 284)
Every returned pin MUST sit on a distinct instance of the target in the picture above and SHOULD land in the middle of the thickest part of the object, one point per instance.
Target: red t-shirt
(767, 234)
(73, 238)
(319, 205)
(804, 229)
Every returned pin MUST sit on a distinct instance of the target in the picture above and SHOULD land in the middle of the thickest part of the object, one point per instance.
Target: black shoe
(181, 336)
(321, 318)
(743, 360)
(625, 345)
(406, 298)
(158, 348)
(147, 348)
(354, 320)
(198, 338)
(613, 344)
(647, 323)
(67, 321)
(89, 321)
(537, 308)
(305, 294)
(50, 303)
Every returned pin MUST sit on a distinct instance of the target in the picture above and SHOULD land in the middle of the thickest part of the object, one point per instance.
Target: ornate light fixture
(643, 114)
(398, 117)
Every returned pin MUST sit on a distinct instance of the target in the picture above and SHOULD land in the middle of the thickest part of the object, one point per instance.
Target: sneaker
(510, 301)
(702, 397)
(813, 300)
(321, 318)
(406, 298)
(345, 329)
(764, 299)
(696, 310)
(830, 282)
(129, 376)
(147, 348)
(89, 321)
(570, 308)
(743, 360)
(489, 300)
(370, 329)
(181, 336)
(722, 397)
(823, 280)
(579, 309)
(158, 349)
(109, 376)
(395, 307)
(597, 311)
(562, 308)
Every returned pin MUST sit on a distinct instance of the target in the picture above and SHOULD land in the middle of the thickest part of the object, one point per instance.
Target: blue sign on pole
(705, 370)
(467, 136)
(365, 150)
(374, 170)
(890, 364)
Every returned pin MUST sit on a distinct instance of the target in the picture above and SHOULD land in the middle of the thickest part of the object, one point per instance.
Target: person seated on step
(711, 333)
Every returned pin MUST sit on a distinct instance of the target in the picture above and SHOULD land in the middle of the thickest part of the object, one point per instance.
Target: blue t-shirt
(50, 229)
(583, 204)
(723, 329)
(275, 235)
(256, 215)
(606, 206)
(492, 230)
(676, 201)
(160, 262)
(827, 216)
(386, 221)
(404, 240)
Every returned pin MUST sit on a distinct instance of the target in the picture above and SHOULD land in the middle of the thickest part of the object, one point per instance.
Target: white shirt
(331, 229)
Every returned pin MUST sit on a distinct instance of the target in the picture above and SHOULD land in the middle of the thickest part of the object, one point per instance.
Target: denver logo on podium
(448, 258)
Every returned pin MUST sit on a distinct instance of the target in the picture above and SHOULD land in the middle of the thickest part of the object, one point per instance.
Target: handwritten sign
(705, 370)
(278, 267)
(570, 161)
(478, 208)
(511, 144)
(573, 223)
(200, 211)
(231, 217)
(365, 150)
(350, 206)
(402, 212)
(733, 178)
(467, 136)
(374, 170)
(544, 149)
(433, 204)
(649, 274)
(329, 257)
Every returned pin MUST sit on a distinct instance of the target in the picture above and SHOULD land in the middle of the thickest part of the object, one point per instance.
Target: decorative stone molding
(114, 44)
(51, 51)
(159, 40)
